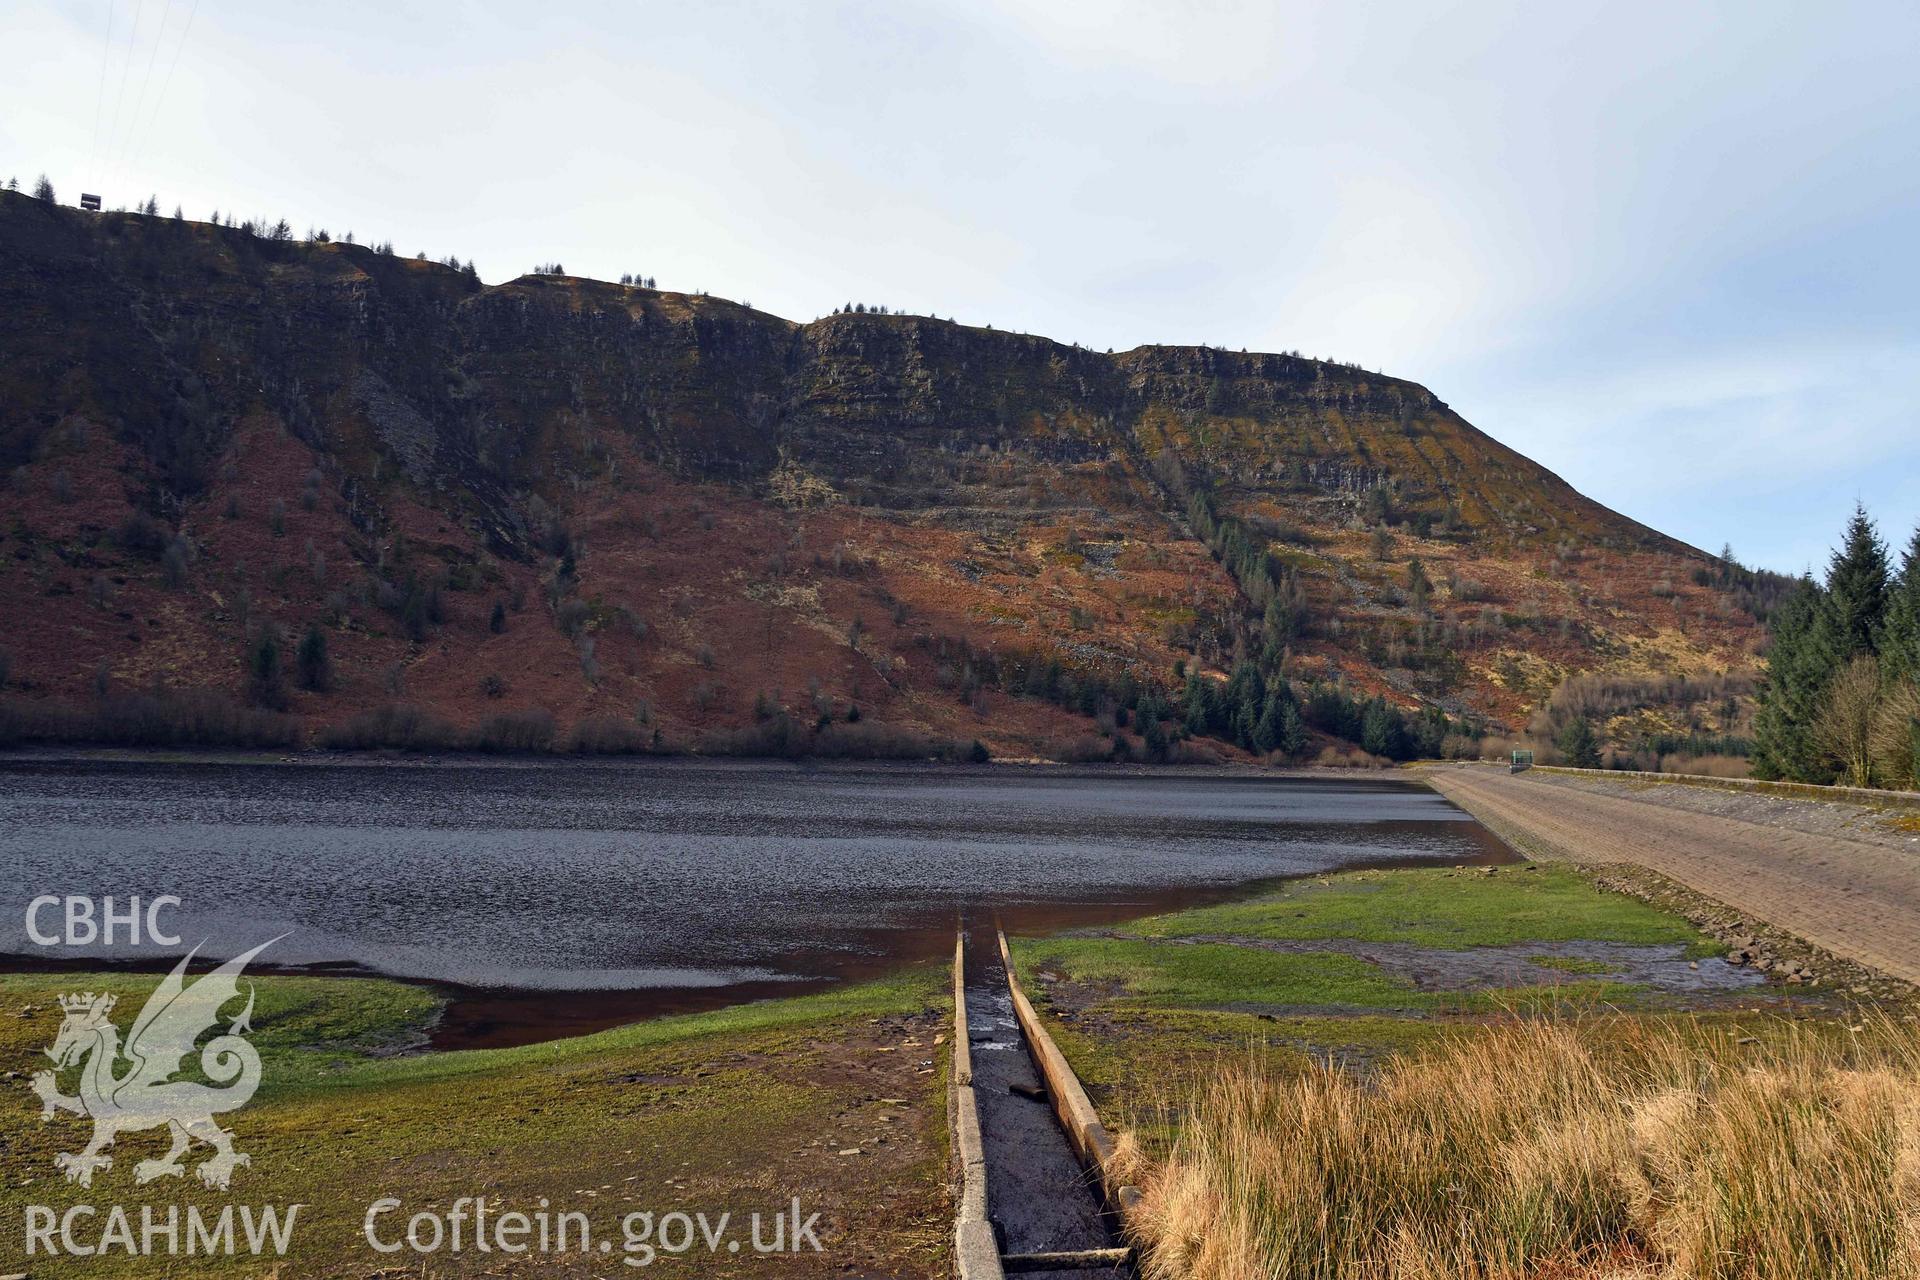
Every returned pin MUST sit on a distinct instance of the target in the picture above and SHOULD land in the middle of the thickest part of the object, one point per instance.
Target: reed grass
(1555, 1149)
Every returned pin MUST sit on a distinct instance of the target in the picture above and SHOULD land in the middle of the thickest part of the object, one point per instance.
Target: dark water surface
(669, 877)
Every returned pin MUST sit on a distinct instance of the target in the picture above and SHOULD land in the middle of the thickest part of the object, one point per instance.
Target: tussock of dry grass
(1349, 758)
(1541, 1149)
(1708, 766)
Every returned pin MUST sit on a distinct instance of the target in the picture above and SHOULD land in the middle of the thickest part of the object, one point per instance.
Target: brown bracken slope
(684, 503)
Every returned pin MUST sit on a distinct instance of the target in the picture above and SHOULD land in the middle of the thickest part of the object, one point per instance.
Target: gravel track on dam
(1856, 894)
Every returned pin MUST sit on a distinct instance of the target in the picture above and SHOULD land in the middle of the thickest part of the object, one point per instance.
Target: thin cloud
(1638, 243)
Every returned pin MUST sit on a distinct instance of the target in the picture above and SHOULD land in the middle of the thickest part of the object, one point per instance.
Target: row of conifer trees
(1841, 697)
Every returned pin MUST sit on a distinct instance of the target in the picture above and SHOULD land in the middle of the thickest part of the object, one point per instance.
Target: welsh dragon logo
(145, 1095)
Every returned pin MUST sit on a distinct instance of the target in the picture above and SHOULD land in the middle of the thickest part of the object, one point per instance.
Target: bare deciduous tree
(1896, 735)
(1844, 727)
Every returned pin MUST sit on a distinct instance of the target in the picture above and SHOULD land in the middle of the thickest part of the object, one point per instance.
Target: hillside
(636, 507)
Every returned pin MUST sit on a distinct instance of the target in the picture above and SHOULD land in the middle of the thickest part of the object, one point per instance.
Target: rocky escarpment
(318, 423)
(173, 331)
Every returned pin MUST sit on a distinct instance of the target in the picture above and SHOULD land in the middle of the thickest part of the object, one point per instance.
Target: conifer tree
(1272, 733)
(1800, 664)
(1578, 746)
(315, 667)
(1194, 704)
(1278, 626)
(1857, 589)
(1900, 638)
(266, 683)
(1379, 729)
(1266, 734)
(1246, 700)
(1293, 731)
(1419, 586)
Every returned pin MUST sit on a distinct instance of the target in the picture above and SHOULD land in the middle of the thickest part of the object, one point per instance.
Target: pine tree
(1419, 586)
(1245, 722)
(266, 684)
(43, 190)
(1377, 729)
(1278, 626)
(1193, 704)
(1430, 729)
(1578, 746)
(1246, 700)
(1800, 664)
(1857, 589)
(1382, 542)
(1154, 739)
(1270, 731)
(1293, 732)
(1266, 731)
(315, 668)
(1900, 638)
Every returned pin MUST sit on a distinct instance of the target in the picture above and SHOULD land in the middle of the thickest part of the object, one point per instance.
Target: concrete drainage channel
(1032, 1154)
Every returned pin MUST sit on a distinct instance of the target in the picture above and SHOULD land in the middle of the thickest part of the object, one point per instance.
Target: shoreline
(499, 1005)
(493, 1017)
(61, 754)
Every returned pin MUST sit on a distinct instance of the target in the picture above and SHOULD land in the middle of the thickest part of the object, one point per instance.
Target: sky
(1668, 250)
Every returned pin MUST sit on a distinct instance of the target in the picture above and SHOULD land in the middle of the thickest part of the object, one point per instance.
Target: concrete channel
(1028, 1145)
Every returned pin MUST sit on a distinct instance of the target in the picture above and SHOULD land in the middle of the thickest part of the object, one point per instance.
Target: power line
(100, 100)
(167, 81)
(113, 130)
(146, 79)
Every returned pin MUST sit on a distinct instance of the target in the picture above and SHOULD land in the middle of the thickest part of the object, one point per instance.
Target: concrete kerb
(1753, 786)
(1786, 790)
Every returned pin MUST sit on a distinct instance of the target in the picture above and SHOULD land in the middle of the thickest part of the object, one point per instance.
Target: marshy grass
(1558, 1149)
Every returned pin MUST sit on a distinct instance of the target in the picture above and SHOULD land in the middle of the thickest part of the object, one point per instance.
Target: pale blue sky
(1668, 250)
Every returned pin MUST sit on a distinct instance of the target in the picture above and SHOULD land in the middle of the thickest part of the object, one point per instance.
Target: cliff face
(725, 493)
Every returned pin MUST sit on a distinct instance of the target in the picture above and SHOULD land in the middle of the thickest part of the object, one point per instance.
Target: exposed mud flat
(1662, 968)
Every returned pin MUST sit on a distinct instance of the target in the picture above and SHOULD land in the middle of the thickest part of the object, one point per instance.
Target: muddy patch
(1664, 967)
